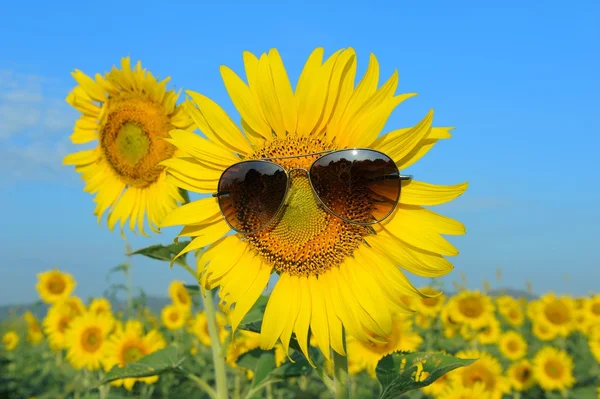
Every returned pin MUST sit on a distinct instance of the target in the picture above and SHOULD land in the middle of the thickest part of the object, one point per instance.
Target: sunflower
(128, 344)
(490, 333)
(127, 112)
(553, 369)
(56, 322)
(592, 307)
(557, 312)
(10, 340)
(543, 331)
(332, 274)
(34, 330)
(431, 305)
(511, 310)
(54, 285)
(86, 340)
(100, 306)
(512, 345)
(451, 327)
(243, 342)
(199, 327)
(520, 375)
(486, 370)
(476, 391)
(173, 317)
(366, 355)
(180, 295)
(594, 342)
(438, 387)
(471, 308)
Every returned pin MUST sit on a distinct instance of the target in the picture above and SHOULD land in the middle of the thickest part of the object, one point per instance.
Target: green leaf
(163, 252)
(256, 313)
(155, 363)
(396, 372)
(185, 195)
(193, 290)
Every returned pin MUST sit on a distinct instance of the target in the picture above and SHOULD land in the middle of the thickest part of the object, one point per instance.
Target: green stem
(340, 373)
(202, 384)
(215, 344)
(129, 281)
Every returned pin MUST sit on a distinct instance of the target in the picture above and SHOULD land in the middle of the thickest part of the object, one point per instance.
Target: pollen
(305, 239)
(131, 133)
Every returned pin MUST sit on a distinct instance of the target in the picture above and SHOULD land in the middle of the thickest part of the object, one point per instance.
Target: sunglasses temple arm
(406, 177)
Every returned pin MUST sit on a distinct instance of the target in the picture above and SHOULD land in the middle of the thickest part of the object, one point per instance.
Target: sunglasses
(359, 186)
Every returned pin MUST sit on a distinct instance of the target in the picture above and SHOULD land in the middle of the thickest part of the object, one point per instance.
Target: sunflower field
(547, 347)
(298, 225)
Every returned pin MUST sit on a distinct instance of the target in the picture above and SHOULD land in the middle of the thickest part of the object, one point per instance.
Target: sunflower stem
(215, 344)
(340, 373)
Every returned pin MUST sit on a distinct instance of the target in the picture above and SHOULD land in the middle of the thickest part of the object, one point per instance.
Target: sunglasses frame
(217, 194)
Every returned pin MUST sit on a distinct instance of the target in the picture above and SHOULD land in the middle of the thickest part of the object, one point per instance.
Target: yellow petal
(211, 234)
(245, 303)
(310, 94)
(303, 319)
(405, 143)
(204, 150)
(334, 322)
(319, 321)
(193, 213)
(82, 157)
(284, 91)
(267, 97)
(417, 153)
(219, 258)
(93, 89)
(429, 219)
(420, 193)
(277, 313)
(245, 102)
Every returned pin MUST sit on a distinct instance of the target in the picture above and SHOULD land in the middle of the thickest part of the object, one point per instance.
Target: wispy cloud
(34, 127)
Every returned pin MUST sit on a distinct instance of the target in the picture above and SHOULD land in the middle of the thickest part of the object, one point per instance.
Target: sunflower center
(131, 134)
(471, 307)
(430, 302)
(596, 309)
(478, 374)
(91, 339)
(132, 354)
(523, 374)
(305, 239)
(182, 296)
(553, 369)
(512, 346)
(63, 323)
(557, 313)
(56, 285)
(173, 316)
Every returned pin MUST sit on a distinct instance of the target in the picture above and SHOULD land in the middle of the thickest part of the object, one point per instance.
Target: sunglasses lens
(251, 193)
(361, 186)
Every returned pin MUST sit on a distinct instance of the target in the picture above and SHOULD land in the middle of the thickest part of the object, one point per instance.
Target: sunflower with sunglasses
(313, 193)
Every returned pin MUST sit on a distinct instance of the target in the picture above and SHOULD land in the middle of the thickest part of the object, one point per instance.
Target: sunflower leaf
(185, 195)
(399, 372)
(193, 289)
(163, 252)
(158, 362)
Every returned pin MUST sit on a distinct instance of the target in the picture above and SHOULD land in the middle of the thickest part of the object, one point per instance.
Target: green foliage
(164, 252)
(399, 373)
(155, 363)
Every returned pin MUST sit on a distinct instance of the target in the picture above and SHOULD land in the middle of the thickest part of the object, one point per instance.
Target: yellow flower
(592, 308)
(438, 387)
(243, 342)
(490, 333)
(127, 113)
(86, 340)
(10, 340)
(429, 306)
(543, 331)
(553, 369)
(471, 308)
(174, 317)
(594, 342)
(512, 345)
(451, 327)
(366, 355)
(557, 312)
(100, 306)
(34, 330)
(54, 285)
(511, 310)
(520, 375)
(199, 328)
(128, 344)
(57, 321)
(476, 391)
(180, 295)
(486, 370)
(332, 273)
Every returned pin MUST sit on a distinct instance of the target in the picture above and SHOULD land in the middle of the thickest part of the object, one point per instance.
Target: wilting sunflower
(512, 345)
(174, 317)
(471, 308)
(86, 340)
(199, 327)
(128, 344)
(34, 329)
(553, 369)
(520, 375)
(486, 370)
(10, 340)
(557, 312)
(180, 295)
(332, 274)
(54, 285)
(127, 112)
(367, 354)
(476, 391)
(431, 305)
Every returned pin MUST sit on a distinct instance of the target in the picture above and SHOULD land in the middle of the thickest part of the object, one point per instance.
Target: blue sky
(519, 82)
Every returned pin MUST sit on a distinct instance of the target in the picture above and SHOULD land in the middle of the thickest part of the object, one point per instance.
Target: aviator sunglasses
(359, 186)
